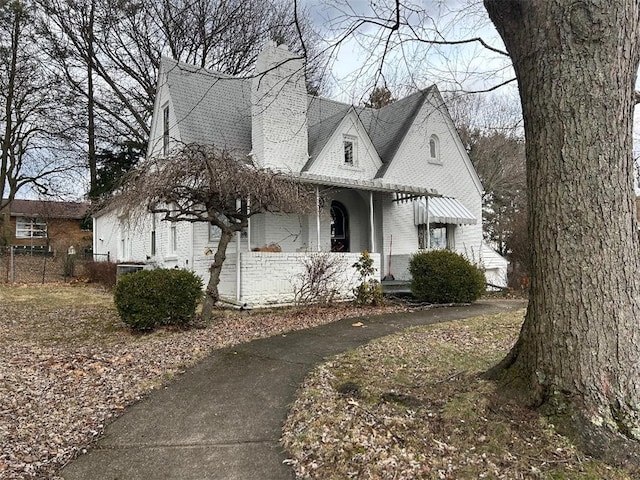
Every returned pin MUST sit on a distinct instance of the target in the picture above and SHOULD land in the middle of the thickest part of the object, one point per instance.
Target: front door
(339, 227)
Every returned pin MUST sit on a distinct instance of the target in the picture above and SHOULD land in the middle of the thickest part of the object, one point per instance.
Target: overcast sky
(357, 60)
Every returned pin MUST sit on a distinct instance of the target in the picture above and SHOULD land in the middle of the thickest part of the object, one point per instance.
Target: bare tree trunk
(211, 293)
(578, 354)
(8, 110)
(91, 130)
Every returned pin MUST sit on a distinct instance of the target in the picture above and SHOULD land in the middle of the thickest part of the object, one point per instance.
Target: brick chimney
(279, 134)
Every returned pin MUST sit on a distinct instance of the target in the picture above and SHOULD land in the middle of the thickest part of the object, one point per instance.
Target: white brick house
(394, 180)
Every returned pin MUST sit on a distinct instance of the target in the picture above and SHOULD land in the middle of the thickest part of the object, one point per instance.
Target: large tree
(578, 353)
(109, 53)
(36, 127)
(217, 187)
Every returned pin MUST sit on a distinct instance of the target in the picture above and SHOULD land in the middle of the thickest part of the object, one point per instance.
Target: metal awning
(442, 210)
(374, 185)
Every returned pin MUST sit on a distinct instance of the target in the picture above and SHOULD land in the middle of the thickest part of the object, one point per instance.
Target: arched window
(434, 149)
(339, 228)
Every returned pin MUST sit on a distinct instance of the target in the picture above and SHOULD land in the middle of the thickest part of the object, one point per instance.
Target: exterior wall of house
(156, 134)
(451, 176)
(105, 237)
(273, 278)
(331, 161)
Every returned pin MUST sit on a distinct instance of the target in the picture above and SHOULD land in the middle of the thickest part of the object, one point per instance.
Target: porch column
(318, 219)
(248, 225)
(426, 202)
(238, 242)
(372, 230)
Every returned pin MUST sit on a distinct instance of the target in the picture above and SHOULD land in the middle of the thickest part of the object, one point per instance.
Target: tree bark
(578, 354)
(211, 293)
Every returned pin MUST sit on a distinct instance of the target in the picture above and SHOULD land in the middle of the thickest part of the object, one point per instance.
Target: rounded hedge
(149, 298)
(442, 276)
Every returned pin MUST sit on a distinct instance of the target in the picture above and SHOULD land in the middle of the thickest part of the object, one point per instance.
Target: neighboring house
(393, 180)
(46, 226)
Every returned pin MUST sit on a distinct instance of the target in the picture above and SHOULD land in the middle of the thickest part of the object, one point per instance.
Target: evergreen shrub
(442, 276)
(149, 298)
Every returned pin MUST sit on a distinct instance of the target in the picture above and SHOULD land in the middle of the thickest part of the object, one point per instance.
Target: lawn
(68, 365)
(413, 406)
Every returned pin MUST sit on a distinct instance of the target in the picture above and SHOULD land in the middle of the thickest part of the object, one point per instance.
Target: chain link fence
(23, 264)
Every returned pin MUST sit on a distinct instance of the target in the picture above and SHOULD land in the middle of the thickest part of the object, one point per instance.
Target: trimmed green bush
(149, 298)
(442, 276)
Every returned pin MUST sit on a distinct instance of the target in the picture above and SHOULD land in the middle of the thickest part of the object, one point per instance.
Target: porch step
(395, 287)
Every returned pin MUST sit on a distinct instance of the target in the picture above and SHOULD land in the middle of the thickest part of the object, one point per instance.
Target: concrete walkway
(222, 419)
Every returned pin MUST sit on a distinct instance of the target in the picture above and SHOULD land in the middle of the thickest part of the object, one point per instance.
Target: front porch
(276, 278)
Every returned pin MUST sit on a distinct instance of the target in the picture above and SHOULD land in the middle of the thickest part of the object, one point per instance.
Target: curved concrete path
(222, 419)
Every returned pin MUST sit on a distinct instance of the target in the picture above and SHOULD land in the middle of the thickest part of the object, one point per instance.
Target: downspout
(372, 239)
(317, 218)
(191, 240)
(95, 237)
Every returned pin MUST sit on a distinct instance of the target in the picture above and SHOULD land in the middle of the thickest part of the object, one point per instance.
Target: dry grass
(68, 365)
(412, 406)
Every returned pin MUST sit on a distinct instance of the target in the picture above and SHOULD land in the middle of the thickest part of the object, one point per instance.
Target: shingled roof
(214, 108)
(47, 209)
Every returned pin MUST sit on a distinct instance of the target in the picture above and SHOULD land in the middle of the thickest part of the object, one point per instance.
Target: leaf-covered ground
(412, 406)
(68, 364)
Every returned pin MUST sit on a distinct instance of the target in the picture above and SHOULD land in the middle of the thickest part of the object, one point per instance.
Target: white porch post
(248, 225)
(372, 232)
(317, 218)
(426, 201)
(238, 241)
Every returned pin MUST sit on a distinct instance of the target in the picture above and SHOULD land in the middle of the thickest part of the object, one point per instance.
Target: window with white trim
(165, 130)
(214, 233)
(349, 146)
(29, 227)
(173, 238)
(438, 236)
(434, 149)
(153, 234)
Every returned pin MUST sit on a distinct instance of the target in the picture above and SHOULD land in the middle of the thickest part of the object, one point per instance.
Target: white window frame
(173, 238)
(214, 233)
(434, 150)
(154, 236)
(449, 236)
(349, 151)
(31, 227)
(165, 129)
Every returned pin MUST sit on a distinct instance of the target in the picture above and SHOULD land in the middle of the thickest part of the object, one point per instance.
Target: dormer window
(434, 149)
(349, 145)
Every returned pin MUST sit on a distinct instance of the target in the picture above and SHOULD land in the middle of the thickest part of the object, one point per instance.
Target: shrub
(442, 276)
(149, 298)
(103, 273)
(369, 290)
(319, 282)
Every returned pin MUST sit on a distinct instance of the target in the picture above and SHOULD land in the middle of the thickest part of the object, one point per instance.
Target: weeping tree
(219, 187)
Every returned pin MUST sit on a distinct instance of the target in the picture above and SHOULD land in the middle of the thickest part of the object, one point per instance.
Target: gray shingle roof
(213, 108)
(210, 107)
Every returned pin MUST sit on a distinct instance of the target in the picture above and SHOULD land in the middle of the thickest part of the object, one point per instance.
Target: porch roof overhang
(375, 185)
(442, 210)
